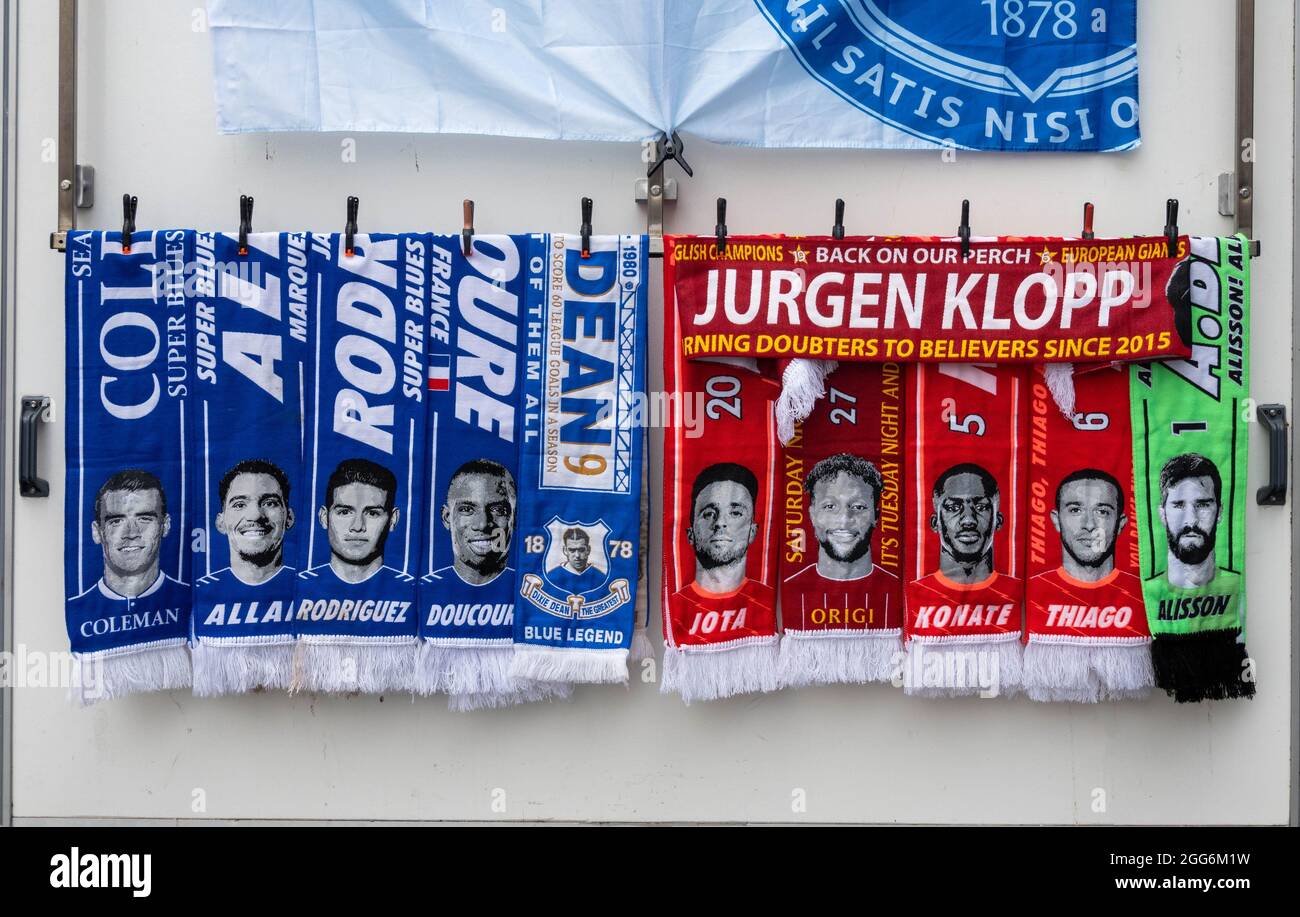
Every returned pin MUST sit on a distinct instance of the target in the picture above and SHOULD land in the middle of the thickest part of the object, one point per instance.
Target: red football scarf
(966, 434)
(841, 546)
(1086, 630)
(721, 461)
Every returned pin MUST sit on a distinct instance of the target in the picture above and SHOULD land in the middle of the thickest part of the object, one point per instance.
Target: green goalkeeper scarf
(1189, 442)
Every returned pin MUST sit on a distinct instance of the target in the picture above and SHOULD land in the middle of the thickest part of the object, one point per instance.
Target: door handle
(30, 484)
(1273, 417)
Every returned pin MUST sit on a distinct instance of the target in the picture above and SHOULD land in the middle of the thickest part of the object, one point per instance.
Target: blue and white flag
(469, 585)
(127, 555)
(580, 465)
(972, 74)
(357, 613)
(250, 500)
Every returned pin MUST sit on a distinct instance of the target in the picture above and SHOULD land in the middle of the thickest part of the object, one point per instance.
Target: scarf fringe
(1087, 673)
(449, 669)
(1060, 382)
(823, 660)
(642, 648)
(104, 676)
(347, 667)
(524, 693)
(803, 382)
(1205, 666)
(960, 667)
(718, 673)
(548, 663)
(226, 668)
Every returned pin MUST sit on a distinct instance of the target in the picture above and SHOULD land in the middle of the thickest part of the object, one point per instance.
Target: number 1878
(1014, 18)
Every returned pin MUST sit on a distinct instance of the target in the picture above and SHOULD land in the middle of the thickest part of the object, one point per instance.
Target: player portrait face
(130, 528)
(577, 551)
(480, 514)
(843, 514)
(255, 517)
(722, 524)
(358, 522)
(1089, 518)
(966, 518)
(1190, 514)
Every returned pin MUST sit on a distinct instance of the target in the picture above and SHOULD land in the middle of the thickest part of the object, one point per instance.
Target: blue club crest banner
(127, 561)
(251, 311)
(1036, 75)
(581, 456)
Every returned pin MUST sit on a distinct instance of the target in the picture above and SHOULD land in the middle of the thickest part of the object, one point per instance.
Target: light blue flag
(973, 74)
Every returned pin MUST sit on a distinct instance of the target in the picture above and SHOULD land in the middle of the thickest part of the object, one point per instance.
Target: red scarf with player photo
(842, 537)
(1086, 631)
(721, 462)
(967, 444)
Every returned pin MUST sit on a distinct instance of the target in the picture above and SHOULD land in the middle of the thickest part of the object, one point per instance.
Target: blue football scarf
(357, 606)
(127, 560)
(247, 490)
(469, 585)
(580, 464)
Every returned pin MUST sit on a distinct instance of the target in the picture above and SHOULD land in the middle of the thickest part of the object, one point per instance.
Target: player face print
(843, 513)
(130, 528)
(358, 522)
(1190, 513)
(255, 517)
(722, 524)
(1089, 518)
(577, 551)
(480, 515)
(966, 518)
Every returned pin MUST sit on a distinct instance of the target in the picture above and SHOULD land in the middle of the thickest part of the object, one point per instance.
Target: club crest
(997, 74)
(575, 582)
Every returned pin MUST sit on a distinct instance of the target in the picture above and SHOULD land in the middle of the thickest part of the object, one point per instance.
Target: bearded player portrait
(721, 528)
(843, 494)
(1191, 508)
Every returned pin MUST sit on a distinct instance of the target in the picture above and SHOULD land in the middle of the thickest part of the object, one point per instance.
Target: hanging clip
(129, 203)
(670, 149)
(1171, 226)
(350, 228)
(585, 229)
(721, 228)
(245, 221)
(1087, 221)
(963, 231)
(467, 232)
(837, 231)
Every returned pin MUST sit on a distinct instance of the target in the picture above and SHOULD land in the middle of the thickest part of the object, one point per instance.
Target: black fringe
(1204, 666)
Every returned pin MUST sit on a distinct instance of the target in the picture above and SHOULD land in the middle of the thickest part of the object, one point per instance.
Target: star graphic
(1046, 256)
(800, 255)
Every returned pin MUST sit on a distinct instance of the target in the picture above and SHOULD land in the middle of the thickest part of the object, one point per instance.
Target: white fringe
(711, 674)
(958, 658)
(348, 665)
(131, 670)
(642, 648)
(1060, 382)
(553, 663)
(236, 668)
(525, 693)
(825, 660)
(1088, 673)
(802, 383)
